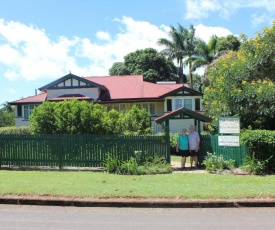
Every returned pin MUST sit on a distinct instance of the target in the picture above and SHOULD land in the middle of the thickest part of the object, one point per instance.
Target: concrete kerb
(138, 202)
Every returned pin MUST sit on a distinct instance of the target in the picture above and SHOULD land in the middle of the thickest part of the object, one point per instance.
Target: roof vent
(166, 82)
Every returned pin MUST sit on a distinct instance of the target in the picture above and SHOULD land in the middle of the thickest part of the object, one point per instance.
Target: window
(152, 108)
(139, 106)
(116, 107)
(188, 103)
(178, 103)
(169, 104)
(122, 107)
(149, 107)
(28, 110)
(109, 107)
(197, 104)
(19, 110)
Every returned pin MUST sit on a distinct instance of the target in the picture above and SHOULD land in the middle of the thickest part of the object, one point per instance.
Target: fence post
(61, 153)
(167, 141)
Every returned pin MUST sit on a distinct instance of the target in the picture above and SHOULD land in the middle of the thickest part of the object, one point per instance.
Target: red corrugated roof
(132, 87)
(120, 88)
(32, 99)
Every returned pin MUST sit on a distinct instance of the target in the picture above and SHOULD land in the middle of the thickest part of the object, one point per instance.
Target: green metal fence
(76, 150)
(209, 143)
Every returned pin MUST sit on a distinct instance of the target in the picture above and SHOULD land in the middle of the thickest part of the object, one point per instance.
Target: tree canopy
(7, 116)
(242, 83)
(147, 62)
(118, 68)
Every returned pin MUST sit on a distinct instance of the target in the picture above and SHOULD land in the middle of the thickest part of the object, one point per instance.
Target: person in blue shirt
(183, 147)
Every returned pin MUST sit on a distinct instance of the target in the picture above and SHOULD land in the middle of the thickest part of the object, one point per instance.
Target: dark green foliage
(15, 130)
(82, 117)
(118, 68)
(112, 164)
(6, 118)
(260, 143)
(255, 166)
(147, 62)
(227, 43)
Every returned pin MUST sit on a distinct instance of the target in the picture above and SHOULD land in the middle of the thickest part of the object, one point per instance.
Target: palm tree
(181, 46)
(7, 107)
(204, 55)
(176, 47)
(213, 45)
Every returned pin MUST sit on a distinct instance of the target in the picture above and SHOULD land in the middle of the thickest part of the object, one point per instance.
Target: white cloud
(29, 53)
(198, 9)
(205, 32)
(103, 35)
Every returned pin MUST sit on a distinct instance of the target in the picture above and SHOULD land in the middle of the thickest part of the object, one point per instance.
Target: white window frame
(27, 110)
(185, 103)
(180, 102)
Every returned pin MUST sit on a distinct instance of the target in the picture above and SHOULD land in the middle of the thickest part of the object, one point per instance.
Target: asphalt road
(51, 217)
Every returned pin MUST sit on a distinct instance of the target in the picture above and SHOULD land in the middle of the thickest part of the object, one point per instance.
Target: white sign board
(229, 125)
(229, 141)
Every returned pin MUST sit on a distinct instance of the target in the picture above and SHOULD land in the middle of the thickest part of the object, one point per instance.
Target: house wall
(89, 92)
(177, 125)
(19, 121)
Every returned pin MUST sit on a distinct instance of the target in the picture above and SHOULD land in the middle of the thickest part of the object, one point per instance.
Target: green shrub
(15, 130)
(112, 164)
(254, 166)
(214, 162)
(82, 117)
(261, 143)
(173, 139)
(137, 165)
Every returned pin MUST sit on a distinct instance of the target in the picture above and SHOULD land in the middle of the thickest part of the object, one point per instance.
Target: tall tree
(118, 68)
(153, 65)
(241, 83)
(212, 44)
(230, 42)
(7, 107)
(181, 46)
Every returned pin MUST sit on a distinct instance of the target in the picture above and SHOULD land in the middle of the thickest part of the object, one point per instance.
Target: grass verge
(95, 184)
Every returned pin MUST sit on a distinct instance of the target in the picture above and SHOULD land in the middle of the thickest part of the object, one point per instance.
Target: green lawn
(96, 184)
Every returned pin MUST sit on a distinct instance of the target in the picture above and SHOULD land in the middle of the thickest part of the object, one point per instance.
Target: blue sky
(43, 40)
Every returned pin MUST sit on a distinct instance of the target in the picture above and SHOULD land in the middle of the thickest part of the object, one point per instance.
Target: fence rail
(76, 150)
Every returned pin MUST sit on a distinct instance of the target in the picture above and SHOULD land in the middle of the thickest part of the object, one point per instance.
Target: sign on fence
(229, 141)
(228, 128)
(229, 125)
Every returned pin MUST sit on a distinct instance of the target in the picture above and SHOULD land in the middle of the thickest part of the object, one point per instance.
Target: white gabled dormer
(71, 85)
